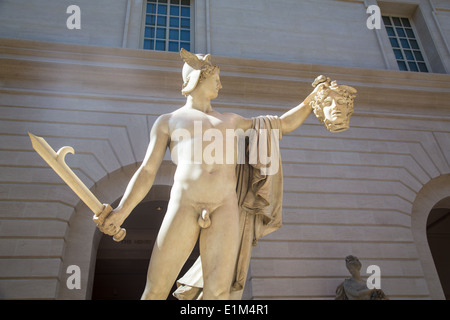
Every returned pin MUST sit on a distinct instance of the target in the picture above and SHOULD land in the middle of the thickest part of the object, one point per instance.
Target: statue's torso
(203, 146)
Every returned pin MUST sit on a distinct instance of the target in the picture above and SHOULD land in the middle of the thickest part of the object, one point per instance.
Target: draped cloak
(259, 189)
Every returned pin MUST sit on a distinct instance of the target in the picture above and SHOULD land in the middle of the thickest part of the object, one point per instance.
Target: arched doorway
(438, 236)
(425, 217)
(83, 238)
(121, 267)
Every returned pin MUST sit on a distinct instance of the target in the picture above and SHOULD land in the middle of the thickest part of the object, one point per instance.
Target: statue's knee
(154, 293)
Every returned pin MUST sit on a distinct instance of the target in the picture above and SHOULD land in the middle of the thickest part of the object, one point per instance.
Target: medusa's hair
(324, 87)
(347, 93)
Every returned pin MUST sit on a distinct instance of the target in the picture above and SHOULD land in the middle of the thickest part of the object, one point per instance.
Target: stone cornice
(140, 74)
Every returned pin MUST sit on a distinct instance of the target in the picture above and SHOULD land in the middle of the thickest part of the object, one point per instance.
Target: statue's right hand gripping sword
(56, 161)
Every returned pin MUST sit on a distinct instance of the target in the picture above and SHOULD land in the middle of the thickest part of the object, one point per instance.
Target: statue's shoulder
(340, 292)
(161, 124)
(164, 117)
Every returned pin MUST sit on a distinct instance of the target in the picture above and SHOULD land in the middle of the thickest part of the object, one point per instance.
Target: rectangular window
(405, 45)
(168, 25)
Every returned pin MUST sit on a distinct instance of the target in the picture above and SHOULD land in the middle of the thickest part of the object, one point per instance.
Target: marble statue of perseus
(226, 205)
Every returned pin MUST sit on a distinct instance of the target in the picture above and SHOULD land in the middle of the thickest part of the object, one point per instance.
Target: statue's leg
(174, 243)
(218, 251)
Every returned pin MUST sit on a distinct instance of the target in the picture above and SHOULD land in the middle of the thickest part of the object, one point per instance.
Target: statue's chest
(203, 125)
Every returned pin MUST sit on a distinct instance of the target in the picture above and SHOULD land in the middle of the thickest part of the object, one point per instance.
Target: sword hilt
(99, 219)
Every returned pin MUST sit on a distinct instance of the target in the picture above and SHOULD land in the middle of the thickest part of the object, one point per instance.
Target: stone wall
(347, 193)
(329, 32)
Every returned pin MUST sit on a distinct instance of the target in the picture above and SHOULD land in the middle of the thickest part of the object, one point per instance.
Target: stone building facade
(379, 191)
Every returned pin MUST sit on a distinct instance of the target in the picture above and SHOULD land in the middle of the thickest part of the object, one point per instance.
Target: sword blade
(56, 161)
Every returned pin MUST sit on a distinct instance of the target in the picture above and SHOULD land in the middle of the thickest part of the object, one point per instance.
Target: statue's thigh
(219, 247)
(175, 241)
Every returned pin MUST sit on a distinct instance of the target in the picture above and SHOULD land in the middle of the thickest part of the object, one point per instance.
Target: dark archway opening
(438, 235)
(121, 267)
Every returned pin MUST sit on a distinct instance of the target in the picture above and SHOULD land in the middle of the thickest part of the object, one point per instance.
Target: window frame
(167, 27)
(401, 48)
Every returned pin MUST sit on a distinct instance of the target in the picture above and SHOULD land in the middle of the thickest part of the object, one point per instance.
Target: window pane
(185, 35)
(161, 20)
(174, 10)
(173, 34)
(406, 22)
(404, 43)
(173, 46)
(185, 45)
(185, 23)
(414, 44)
(162, 9)
(185, 11)
(418, 56)
(397, 21)
(174, 22)
(149, 32)
(160, 33)
(390, 32)
(185, 2)
(175, 1)
(409, 55)
(394, 43)
(402, 65)
(150, 19)
(413, 66)
(422, 67)
(386, 21)
(400, 32)
(162, 1)
(398, 54)
(148, 44)
(151, 8)
(410, 33)
(160, 45)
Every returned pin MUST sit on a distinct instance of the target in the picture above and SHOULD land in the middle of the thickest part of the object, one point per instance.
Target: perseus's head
(196, 68)
(333, 104)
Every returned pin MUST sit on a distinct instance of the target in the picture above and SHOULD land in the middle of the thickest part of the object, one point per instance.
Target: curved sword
(56, 161)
